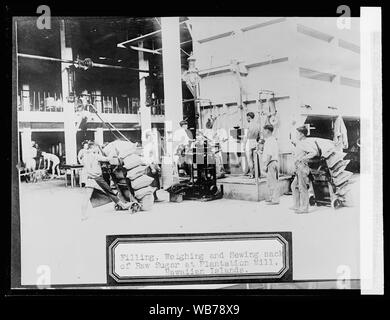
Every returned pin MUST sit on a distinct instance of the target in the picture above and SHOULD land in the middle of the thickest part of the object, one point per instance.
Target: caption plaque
(199, 258)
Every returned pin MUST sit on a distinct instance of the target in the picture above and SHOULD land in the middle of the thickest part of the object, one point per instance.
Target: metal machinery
(202, 181)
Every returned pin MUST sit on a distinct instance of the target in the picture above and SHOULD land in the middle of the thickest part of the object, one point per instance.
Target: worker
(250, 142)
(38, 156)
(151, 147)
(31, 163)
(340, 135)
(80, 156)
(55, 162)
(222, 138)
(211, 136)
(181, 136)
(151, 155)
(91, 159)
(305, 150)
(209, 132)
(271, 164)
(181, 141)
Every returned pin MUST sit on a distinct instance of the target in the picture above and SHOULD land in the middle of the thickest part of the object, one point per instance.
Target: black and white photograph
(197, 152)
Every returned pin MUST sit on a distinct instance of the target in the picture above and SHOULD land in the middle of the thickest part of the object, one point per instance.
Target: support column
(70, 134)
(145, 114)
(173, 97)
(69, 115)
(66, 54)
(99, 136)
(26, 144)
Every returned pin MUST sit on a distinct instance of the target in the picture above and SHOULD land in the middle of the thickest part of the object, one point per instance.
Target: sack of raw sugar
(326, 146)
(141, 182)
(147, 202)
(139, 194)
(120, 148)
(136, 172)
(132, 161)
(125, 148)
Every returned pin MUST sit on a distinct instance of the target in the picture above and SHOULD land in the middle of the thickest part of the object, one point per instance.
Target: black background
(124, 304)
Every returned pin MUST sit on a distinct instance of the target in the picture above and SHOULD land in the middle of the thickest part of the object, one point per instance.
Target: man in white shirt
(181, 139)
(305, 150)
(55, 163)
(180, 136)
(271, 164)
(251, 141)
(223, 138)
(80, 156)
(91, 161)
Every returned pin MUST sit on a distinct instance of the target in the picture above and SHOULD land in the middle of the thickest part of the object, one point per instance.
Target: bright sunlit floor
(53, 235)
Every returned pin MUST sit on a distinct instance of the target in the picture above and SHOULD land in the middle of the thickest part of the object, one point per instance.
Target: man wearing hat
(271, 164)
(181, 140)
(181, 136)
(305, 150)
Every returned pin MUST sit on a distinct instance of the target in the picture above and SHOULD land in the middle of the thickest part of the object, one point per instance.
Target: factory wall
(324, 48)
(321, 94)
(276, 50)
(231, 42)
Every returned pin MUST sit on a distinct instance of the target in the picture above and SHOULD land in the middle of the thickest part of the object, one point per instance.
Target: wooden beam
(122, 44)
(145, 114)
(244, 29)
(189, 27)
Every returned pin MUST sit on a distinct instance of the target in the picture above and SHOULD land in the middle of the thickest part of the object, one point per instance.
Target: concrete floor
(53, 235)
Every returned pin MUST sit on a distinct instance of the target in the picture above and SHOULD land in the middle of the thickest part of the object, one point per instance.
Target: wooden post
(145, 112)
(257, 173)
(172, 78)
(69, 115)
(26, 144)
(99, 136)
(112, 104)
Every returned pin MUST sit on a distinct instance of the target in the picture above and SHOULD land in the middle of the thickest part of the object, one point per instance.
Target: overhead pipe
(98, 65)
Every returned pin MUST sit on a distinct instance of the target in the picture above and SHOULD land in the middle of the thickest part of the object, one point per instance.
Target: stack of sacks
(325, 145)
(336, 164)
(120, 174)
(140, 181)
(134, 171)
(120, 149)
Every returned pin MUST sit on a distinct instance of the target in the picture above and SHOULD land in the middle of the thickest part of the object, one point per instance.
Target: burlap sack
(326, 146)
(139, 194)
(334, 158)
(136, 172)
(110, 150)
(339, 167)
(147, 202)
(114, 161)
(132, 161)
(141, 182)
(121, 148)
(342, 177)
